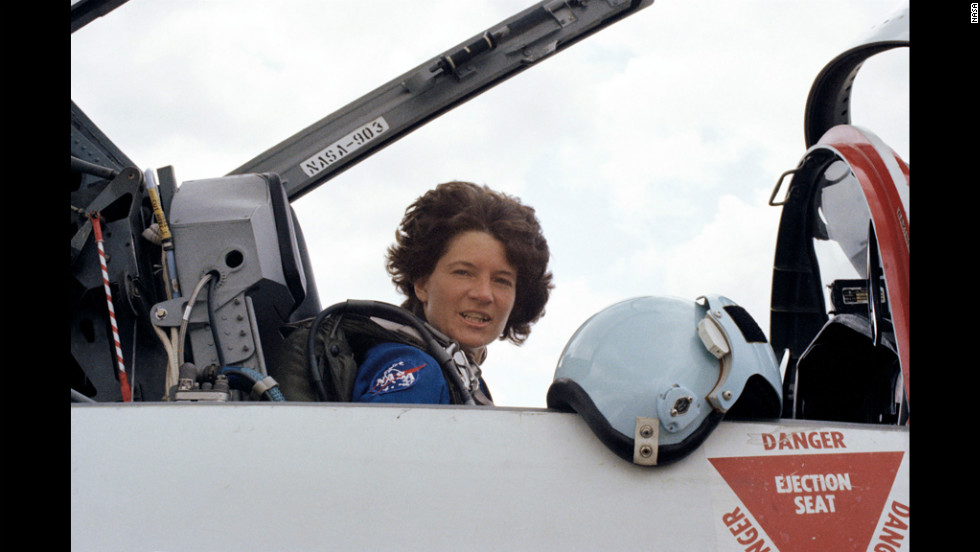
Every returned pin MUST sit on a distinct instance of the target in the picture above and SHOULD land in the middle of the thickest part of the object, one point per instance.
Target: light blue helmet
(653, 376)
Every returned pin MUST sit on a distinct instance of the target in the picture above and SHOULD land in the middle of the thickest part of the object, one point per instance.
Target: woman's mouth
(475, 317)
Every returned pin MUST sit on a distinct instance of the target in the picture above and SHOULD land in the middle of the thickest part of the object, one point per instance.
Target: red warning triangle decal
(814, 502)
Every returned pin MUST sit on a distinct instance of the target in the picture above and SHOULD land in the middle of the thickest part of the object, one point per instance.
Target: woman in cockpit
(472, 262)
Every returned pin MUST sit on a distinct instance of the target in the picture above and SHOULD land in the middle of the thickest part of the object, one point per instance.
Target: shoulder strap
(341, 341)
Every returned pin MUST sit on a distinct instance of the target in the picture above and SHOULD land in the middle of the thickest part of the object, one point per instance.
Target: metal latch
(561, 11)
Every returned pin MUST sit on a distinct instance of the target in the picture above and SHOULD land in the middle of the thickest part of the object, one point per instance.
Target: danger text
(804, 440)
(744, 532)
(893, 533)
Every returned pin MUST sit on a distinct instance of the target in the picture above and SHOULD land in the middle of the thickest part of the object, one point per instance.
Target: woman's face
(471, 290)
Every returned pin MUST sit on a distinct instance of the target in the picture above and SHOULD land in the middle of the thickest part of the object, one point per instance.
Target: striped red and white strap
(123, 380)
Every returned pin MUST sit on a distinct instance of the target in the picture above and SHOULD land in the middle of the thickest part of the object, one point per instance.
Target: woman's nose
(482, 290)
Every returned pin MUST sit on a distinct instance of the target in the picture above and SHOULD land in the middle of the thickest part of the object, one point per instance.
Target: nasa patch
(396, 378)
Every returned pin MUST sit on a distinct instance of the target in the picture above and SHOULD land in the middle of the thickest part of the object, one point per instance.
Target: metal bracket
(167, 314)
(561, 11)
(714, 339)
(645, 439)
(128, 181)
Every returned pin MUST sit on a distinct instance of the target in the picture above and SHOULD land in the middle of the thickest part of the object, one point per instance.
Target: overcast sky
(648, 150)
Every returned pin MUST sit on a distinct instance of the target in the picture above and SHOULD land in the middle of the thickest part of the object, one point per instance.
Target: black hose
(212, 318)
(245, 379)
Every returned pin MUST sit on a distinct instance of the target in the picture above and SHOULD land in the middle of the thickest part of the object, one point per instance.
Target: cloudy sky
(648, 150)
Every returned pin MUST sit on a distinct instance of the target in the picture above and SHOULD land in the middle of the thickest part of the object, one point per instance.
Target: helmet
(653, 376)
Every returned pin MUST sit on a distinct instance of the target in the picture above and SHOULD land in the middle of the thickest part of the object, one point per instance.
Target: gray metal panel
(214, 219)
(354, 477)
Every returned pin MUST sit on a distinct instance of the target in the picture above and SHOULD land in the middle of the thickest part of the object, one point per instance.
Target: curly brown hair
(437, 216)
